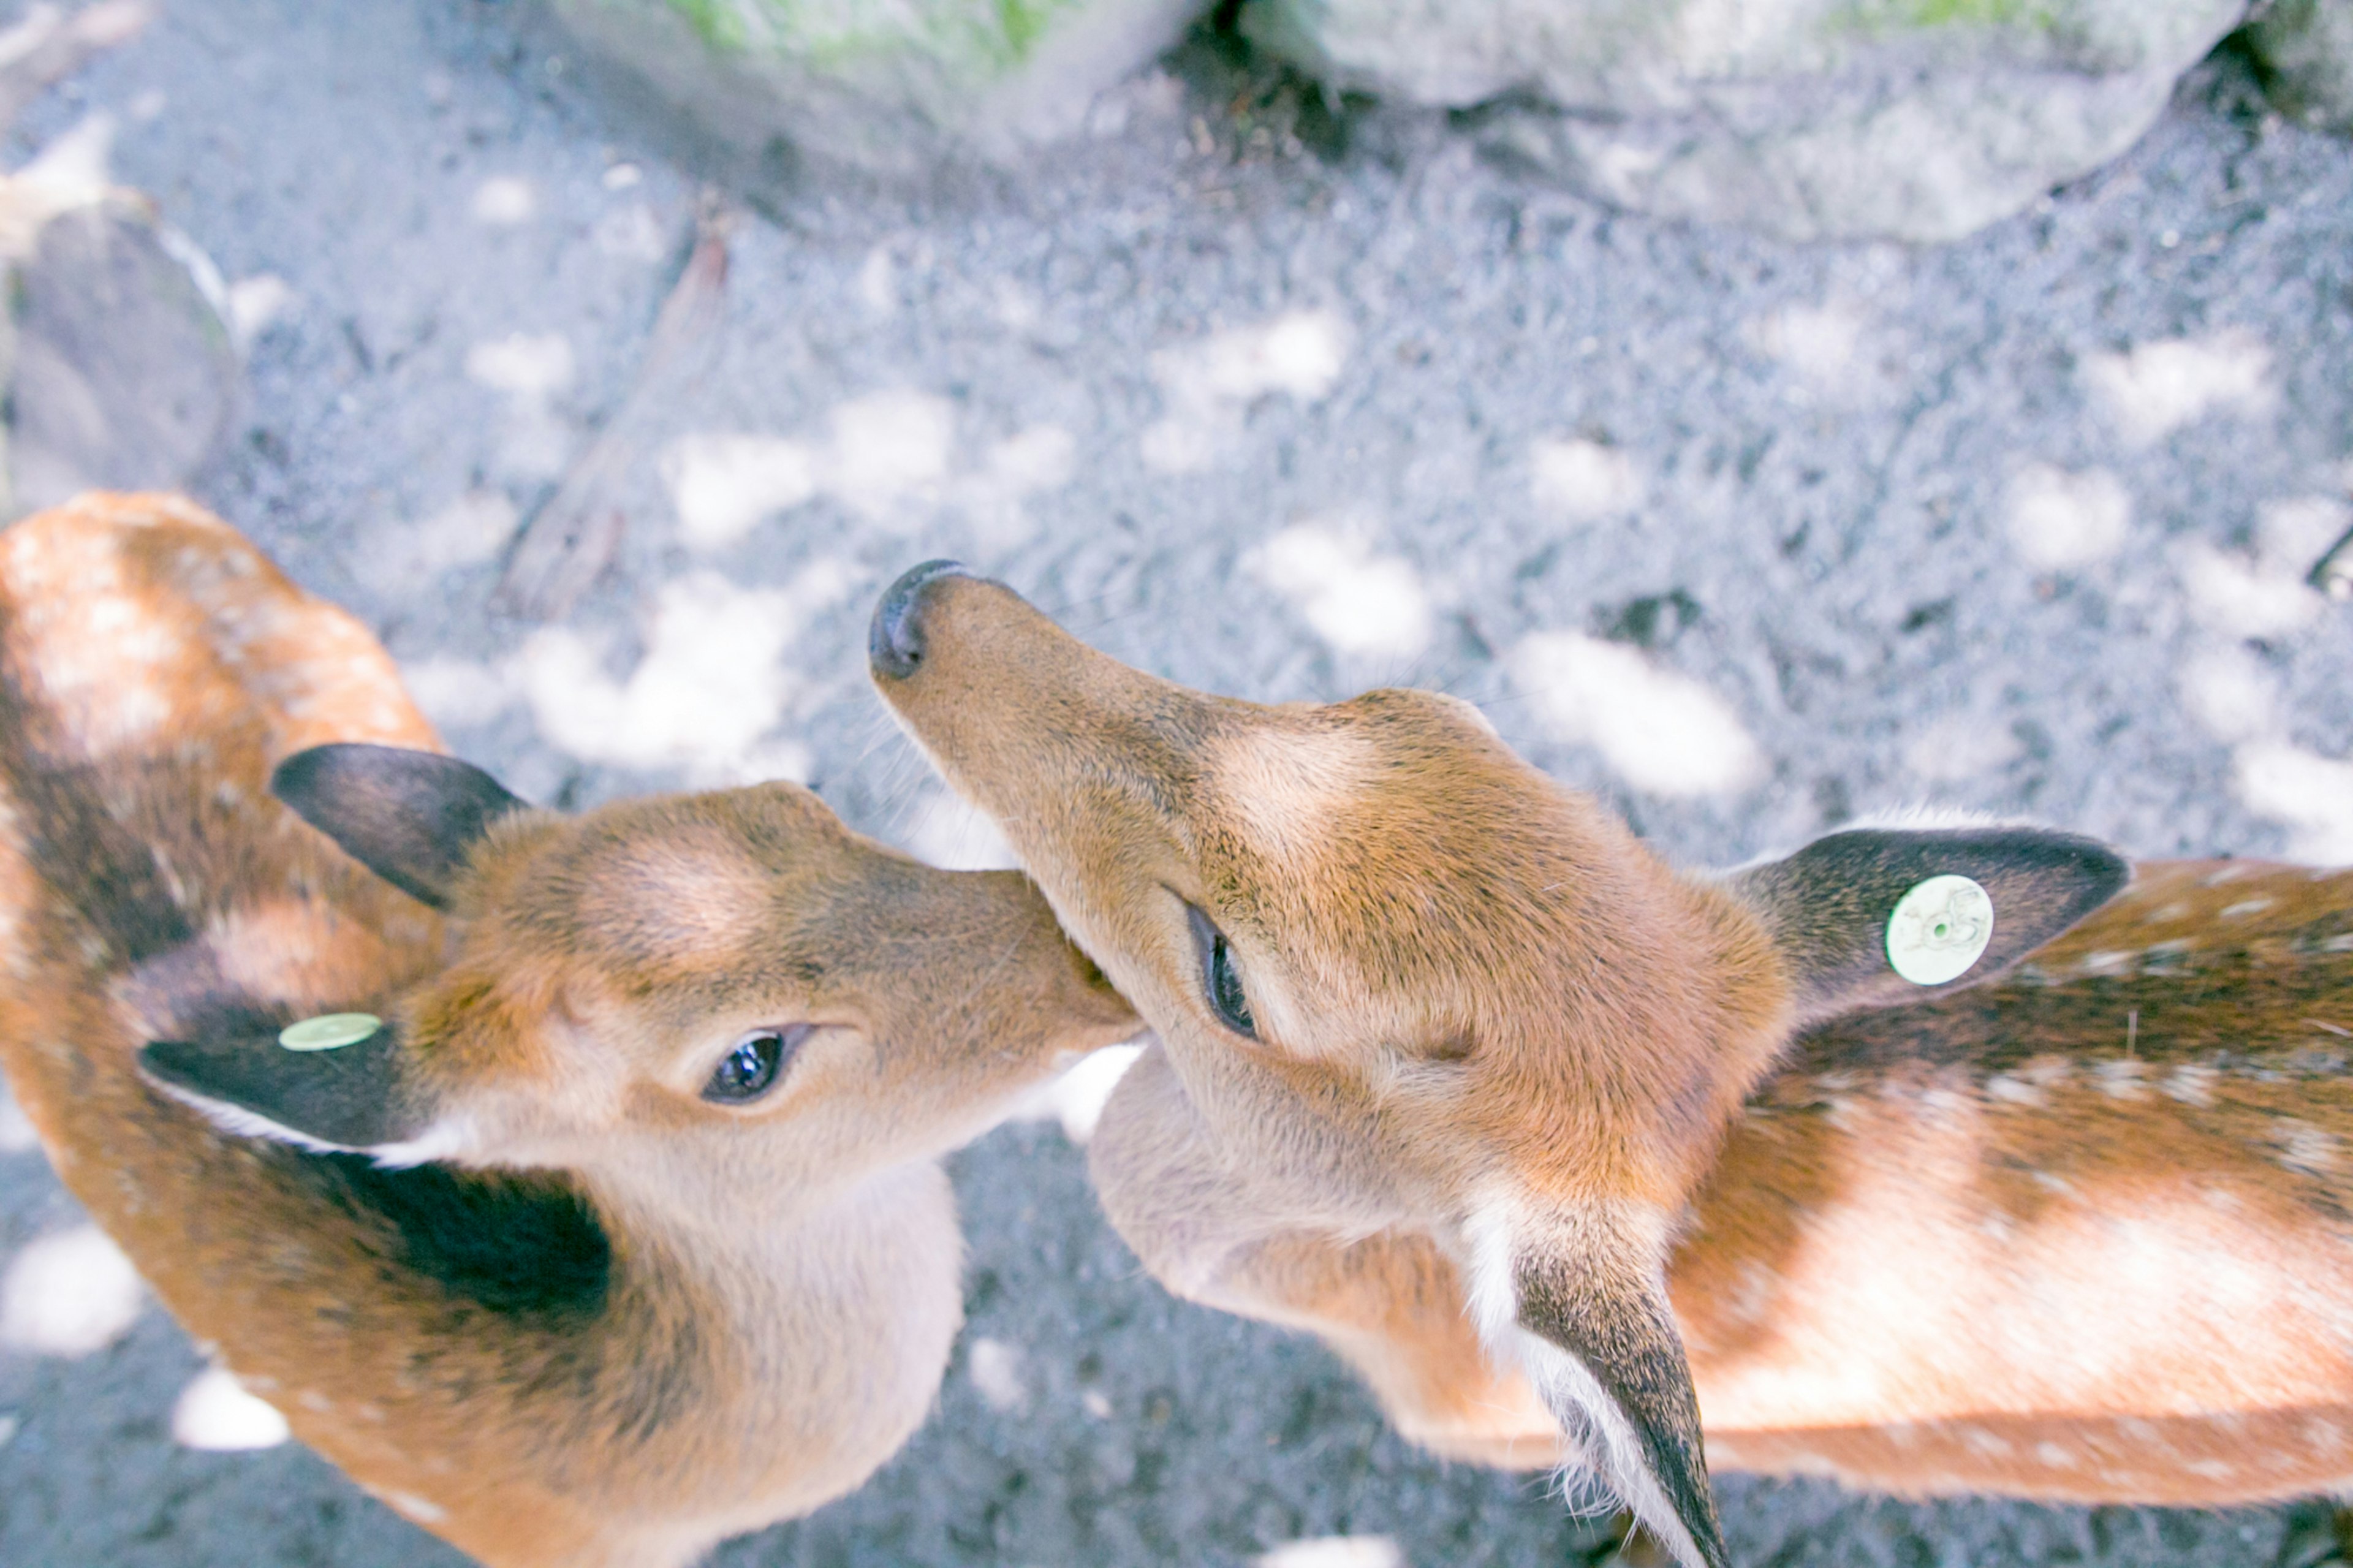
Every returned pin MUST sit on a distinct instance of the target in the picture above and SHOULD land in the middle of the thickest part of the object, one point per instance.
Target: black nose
(895, 644)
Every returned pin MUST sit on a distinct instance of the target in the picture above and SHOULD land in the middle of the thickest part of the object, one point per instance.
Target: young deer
(625, 1231)
(1452, 1071)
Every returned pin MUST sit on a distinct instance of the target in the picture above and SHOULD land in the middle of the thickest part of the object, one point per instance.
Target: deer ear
(358, 1099)
(1585, 1310)
(1830, 906)
(412, 817)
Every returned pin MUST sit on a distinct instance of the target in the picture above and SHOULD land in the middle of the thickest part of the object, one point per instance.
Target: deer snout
(895, 644)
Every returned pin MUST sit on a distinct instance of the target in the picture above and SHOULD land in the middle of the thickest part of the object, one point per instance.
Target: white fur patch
(1665, 733)
(215, 1415)
(1603, 1444)
(69, 1293)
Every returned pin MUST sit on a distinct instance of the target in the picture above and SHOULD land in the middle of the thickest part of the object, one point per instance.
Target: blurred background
(1771, 412)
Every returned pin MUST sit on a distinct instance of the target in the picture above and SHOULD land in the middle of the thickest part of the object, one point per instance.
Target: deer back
(2082, 1233)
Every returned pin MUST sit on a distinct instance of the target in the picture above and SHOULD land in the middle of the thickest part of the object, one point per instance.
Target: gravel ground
(1277, 401)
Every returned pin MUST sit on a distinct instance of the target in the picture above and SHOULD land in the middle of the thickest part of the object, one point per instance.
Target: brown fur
(1494, 1027)
(663, 1320)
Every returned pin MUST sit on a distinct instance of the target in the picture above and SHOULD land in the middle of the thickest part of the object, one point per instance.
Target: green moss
(1024, 22)
(718, 24)
(1883, 15)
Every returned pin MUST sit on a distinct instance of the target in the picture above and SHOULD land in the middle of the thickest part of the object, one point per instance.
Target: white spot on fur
(2059, 522)
(1359, 601)
(2314, 794)
(1581, 480)
(2306, 1148)
(1664, 733)
(711, 685)
(1336, 1551)
(522, 365)
(214, 1414)
(1205, 385)
(254, 304)
(2157, 388)
(721, 485)
(996, 1369)
(69, 1294)
(411, 1506)
(505, 201)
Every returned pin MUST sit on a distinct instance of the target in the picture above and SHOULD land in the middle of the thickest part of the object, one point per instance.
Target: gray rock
(881, 87)
(2305, 51)
(1919, 120)
(124, 377)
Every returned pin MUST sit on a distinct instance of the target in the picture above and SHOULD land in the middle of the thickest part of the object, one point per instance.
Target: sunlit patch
(523, 365)
(1207, 385)
(1663, 732)
(1582, 480)
(2229, 694)
(711, 685)
(505, 201)
(948, 833)
(1359, 602)
(470, 530)
(721, 485)
(1336, 1551)
(1820, 343)
(996, 1369)
(69, 1294)
(215, 1415)
(877, 281)
(458, 693)
(1962, 746)
(888, 448)
(254, 304)
(2246, 596)
(2059, 520)
(2312, 794)
(2157, 388)
(1030, 462)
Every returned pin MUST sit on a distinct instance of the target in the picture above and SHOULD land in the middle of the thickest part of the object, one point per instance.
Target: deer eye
(752, 1068)
(1222, 978)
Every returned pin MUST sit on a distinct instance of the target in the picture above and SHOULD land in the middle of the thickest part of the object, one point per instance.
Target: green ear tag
(1938, 929)
(329, 1031)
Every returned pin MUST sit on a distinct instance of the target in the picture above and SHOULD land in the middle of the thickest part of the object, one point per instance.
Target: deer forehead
(688, 898)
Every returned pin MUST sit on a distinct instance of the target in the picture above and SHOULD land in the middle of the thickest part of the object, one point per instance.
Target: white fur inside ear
(442, 1141)
(1606, 1447)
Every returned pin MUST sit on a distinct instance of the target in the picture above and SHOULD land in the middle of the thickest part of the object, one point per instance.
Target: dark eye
(1220, 978)
(752, 1068)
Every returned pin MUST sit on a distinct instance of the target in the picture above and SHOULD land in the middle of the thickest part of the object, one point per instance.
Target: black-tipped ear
(354, 1099)
(1829, 905)
(1622, 1391)
(412, 817)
